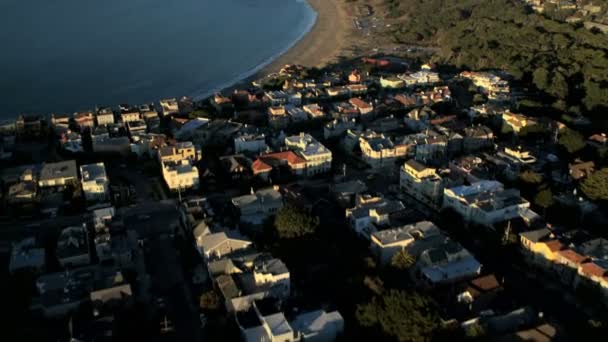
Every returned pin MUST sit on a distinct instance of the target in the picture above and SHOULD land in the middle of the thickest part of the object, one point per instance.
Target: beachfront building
(128, 113)
(485, 202)
(104, 116)
(318, 158)
(84, 120)
(422, 182)
(168, 106)
(379, 151)
(95, 183)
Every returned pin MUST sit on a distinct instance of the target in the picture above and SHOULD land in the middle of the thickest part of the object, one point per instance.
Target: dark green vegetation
(407, 316)
(568, 64)
(596, 185)
(290, 223)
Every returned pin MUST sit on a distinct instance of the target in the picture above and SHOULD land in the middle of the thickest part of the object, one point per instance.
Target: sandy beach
(324, 43)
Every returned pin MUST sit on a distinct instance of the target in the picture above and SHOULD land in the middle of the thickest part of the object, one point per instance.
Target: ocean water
(62, 56)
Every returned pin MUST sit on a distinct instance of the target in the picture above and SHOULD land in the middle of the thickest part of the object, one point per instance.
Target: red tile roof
(593, 269)
(554, 245)
(572, 256)
(259, 166)
(290, 156)
(359, 103)
(486, 283)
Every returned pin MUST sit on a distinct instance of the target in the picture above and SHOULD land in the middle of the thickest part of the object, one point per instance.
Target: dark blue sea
(61, 56)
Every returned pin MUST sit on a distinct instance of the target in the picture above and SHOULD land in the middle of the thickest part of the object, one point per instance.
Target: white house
(318, 326)
(318, 158)
(95, 183)
(421, 182)
(181, 175)
(413, 238)
(370, 212)
(253, 143)
(485, 202)
(257, 206)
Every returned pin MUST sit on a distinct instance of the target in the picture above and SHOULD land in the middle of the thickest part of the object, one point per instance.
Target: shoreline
(320, 44)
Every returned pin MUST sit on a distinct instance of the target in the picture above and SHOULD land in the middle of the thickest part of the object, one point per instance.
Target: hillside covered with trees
(568, 64)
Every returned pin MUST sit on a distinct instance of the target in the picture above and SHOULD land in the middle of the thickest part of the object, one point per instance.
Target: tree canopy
(291, 222)
(566, 62)
(402, 260)
(595, 186)
(404, 316)
(571, 140)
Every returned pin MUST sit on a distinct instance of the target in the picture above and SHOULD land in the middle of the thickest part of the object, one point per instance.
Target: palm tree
(402, 260)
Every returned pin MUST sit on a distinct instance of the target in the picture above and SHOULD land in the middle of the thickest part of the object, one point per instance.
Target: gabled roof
(290, 156)
(572, 256)
(259, 166)
(593, 269)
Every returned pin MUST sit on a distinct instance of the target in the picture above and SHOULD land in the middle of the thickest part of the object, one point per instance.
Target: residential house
(184, 150)
(129, 113)
(73, 247)
(357, 88)
(60, 123)
(147, 111)
(477, 138)
(29, 125)
(391, 82)
(295, 163)
(84, 120)
(104, 116)
(258, 326)
(169, 106)
(445, 263)
(58, 174)
(485, 202)
(277, 98)
(237, 166)
(136, 127)
(580, 170)
(412, 238)
(296, 114)
(180, 175)
(379, 151)
(220, 245)
(95, 183)
(422, 77)
(371, 212)
(338, 127)
(257, 206)
(517, 121)
(314, 111)
(261, 169)
(363, 107)
(495, 87)
(278, 117)
(22, 192)
(318, 326)
(354, 76)
(422, 182)
(318, 158)
(25, 254)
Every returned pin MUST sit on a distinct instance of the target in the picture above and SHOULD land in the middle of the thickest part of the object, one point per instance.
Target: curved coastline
(266, 63)
(319, 44)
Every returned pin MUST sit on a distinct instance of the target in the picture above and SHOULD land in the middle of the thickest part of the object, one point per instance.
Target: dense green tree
(401, 315)
(595, 186)
(290, 222)
(402, 260)
(571, 140)
(530, 177)
(210, 300)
